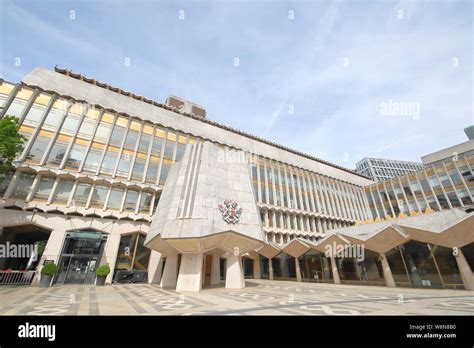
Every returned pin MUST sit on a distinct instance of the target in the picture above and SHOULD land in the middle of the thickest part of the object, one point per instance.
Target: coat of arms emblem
(230, 211)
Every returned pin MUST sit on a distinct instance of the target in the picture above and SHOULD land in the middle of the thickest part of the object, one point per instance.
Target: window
(39, 147)
(63, 191)
(132, 254)
(23, 185)
(119, 131)
(44, 188)
(58, 151)
(5, 91)
(130, 200)
(93, 158)
(115, 199)
(76, 155)
(145, 203)
(81, 195)
(98, 196)
(18, 105)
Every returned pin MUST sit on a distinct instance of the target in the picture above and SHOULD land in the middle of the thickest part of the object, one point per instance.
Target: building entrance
(80, 257)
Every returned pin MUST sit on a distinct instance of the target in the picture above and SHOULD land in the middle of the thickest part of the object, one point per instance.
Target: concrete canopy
(449, 228)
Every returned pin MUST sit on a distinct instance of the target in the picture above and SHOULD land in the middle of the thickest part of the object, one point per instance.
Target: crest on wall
(230, 211)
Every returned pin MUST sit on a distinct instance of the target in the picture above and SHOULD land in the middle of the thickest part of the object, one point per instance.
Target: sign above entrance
(230, 211)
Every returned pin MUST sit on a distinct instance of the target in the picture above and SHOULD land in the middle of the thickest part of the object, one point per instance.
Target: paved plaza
(260, 297)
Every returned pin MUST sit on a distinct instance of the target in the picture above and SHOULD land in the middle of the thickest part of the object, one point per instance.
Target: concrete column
(270, 269)
(190, 273)
(155, 266)
(52, 251)
(234, 273)
(298, 270)
(335, 272)
(216, 270)
(387, 272)
(256, 268)
(465, 270)
(284, 268)
(169, 277)
(110, 254)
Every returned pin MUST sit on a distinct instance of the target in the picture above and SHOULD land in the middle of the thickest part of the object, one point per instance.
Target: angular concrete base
(234, 273)
(216, 270)
(190, 273)
(168, 279)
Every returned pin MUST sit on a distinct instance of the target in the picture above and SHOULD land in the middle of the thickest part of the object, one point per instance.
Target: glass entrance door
(80, 257)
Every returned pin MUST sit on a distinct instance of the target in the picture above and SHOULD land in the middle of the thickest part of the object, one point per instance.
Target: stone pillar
(465, 270)
(216, 270)
(190, 273)
(335, 272)
(284, 268)
(234, 273)
(387, 272)
(256, 268)
(298, 270)
(52, 251)
(155, 265)
(169, 277)
(270, 269)
(109, 255)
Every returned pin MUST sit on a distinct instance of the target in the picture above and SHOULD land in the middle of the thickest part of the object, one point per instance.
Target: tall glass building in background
(93, 176)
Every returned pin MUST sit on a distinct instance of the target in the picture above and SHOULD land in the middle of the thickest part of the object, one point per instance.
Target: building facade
(379, 169)
(162, 192)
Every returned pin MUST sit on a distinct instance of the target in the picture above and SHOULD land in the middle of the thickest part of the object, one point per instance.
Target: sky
(340, 80)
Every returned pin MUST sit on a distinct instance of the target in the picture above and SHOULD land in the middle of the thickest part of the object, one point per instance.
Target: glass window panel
(124, 165)
(117, 135)
(138, 169)
(163, 174)
(63, 191)
(131, 140)
(81, 195)
(93, 159)
(108, 164)
(57, 152)
(5, 90)
(37, 109)
(23, 185)
(87, 128)
(144, 142)
(152, 173)
(98, 196)
(156, 148)
(75, 157)
(125, 252)
(145, 202)
(102, 133)
(44, 188)
(130, 200)
(19, 103)
(169, 149)
(38, 149)
(115, 199)
(142, 255)
(180, 151)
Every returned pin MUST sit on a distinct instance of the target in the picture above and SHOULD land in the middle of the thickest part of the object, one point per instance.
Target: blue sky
(312, 75)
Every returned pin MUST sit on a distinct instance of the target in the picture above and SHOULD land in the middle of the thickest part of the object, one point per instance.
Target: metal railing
(16, 277)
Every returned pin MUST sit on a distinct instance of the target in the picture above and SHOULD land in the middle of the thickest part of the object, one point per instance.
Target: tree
(11, 143)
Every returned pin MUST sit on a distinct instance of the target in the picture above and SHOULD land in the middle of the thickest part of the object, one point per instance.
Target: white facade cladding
(191, 216)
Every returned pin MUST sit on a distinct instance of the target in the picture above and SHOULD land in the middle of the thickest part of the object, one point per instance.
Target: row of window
(75, 193)
(298, 222)
(446, 186)
(284, 186)
(75, 138)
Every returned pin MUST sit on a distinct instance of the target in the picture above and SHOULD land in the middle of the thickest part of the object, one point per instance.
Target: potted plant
(102, 272)
(47, 273)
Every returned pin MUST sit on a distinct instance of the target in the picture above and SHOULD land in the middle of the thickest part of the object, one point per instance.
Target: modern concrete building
(160, 190)
(379, 169)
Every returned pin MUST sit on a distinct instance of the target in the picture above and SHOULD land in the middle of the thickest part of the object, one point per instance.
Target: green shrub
(102, 270)
(49, 269)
